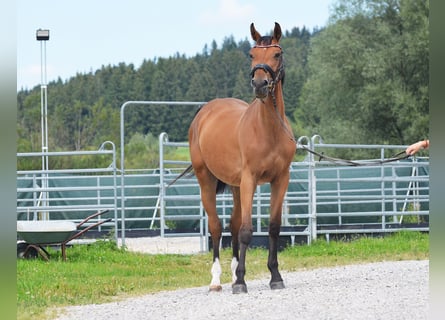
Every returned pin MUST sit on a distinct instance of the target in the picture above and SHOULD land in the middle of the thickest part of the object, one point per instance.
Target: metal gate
(322, 198)
(68, 193)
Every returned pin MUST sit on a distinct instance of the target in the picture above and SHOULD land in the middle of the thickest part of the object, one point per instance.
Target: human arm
(415, 147)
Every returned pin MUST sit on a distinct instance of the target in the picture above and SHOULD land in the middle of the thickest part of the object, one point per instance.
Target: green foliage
(144, 151)
(368, 74)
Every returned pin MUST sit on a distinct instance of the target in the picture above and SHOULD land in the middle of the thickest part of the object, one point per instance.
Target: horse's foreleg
(235, 223)
(245, 236)
(245, 233)
(276, 281)
(278, 190)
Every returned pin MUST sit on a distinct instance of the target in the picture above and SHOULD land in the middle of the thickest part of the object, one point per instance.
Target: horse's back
(219, 110)
(218, 115)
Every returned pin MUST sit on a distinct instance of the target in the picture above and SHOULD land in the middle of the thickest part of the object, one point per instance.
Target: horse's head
(267, 61)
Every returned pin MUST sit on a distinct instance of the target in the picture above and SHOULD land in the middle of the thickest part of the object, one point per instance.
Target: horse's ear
(277, 32)
(255, 34)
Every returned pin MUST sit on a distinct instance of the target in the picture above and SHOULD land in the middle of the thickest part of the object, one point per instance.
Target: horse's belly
(214, 132)
(221, 156)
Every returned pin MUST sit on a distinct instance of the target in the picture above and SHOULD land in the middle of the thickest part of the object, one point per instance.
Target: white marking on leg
(216, 274)
(233, 266)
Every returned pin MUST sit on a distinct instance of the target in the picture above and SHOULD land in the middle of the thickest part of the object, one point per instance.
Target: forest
(362, 79)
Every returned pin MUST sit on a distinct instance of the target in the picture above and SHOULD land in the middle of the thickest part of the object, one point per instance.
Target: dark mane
(264, 41)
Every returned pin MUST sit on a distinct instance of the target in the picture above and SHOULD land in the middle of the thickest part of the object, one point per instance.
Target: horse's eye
(277, 55)
(250, 56)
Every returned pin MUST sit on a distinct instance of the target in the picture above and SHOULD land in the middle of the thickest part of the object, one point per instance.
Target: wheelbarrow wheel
(24, 251)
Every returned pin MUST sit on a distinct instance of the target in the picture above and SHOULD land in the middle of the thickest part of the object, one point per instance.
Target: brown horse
(240, 145)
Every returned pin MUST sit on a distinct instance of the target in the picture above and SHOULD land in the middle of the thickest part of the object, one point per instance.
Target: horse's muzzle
(260, 88)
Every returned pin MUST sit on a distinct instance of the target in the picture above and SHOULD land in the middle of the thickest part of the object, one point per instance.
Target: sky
(88, 34)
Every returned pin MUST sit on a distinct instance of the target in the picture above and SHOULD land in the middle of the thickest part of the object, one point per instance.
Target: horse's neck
(278, 104)
(274, 103)
(270, 114)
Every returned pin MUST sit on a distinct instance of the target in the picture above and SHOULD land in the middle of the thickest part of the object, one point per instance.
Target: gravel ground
(385, 290)
(173, 245)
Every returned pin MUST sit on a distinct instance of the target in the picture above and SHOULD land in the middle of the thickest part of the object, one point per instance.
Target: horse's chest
(269, 151)
(269, 162)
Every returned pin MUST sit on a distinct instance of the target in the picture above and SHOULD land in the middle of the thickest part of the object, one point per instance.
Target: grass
(101, 272)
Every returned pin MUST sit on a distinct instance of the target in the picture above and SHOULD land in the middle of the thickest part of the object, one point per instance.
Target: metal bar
(122, 135)
(63, 153)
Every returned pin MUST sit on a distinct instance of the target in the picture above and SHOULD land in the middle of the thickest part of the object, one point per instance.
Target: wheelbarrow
(37, 234)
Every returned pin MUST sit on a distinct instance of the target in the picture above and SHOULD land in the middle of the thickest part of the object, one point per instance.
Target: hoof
(277, 285)
(239, 288)
(216, 288)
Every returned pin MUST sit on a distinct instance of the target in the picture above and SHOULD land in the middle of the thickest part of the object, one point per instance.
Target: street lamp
(42, 35)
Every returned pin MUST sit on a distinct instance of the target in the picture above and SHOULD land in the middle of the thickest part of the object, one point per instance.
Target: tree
(368, 74)
(202, 85)
(29, 127)
(144, 151)
(242, 90)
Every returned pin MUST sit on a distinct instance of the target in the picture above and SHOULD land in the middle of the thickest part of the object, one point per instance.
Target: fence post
(113, 165)
(313, 188)
(163, 137)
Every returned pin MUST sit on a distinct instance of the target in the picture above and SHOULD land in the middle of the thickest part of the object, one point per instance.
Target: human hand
(415, 147)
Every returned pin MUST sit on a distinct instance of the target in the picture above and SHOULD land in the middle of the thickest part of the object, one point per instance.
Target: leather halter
(276, 75)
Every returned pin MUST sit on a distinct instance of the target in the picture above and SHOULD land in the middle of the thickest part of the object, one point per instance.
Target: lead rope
(399, 156)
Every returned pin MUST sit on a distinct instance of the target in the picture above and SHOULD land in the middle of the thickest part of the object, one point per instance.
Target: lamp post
(42, 35)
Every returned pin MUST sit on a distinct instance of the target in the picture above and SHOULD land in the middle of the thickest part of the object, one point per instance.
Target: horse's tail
(187, 171)
(220, 186)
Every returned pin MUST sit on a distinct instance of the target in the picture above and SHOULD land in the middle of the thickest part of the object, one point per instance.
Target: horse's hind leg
(208, 185)
(216, 271)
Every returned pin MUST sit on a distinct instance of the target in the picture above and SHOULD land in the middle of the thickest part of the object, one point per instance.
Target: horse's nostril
(260, 83)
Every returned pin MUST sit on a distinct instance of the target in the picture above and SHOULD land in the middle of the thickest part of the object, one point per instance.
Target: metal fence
(323, 198)
(71, 194)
